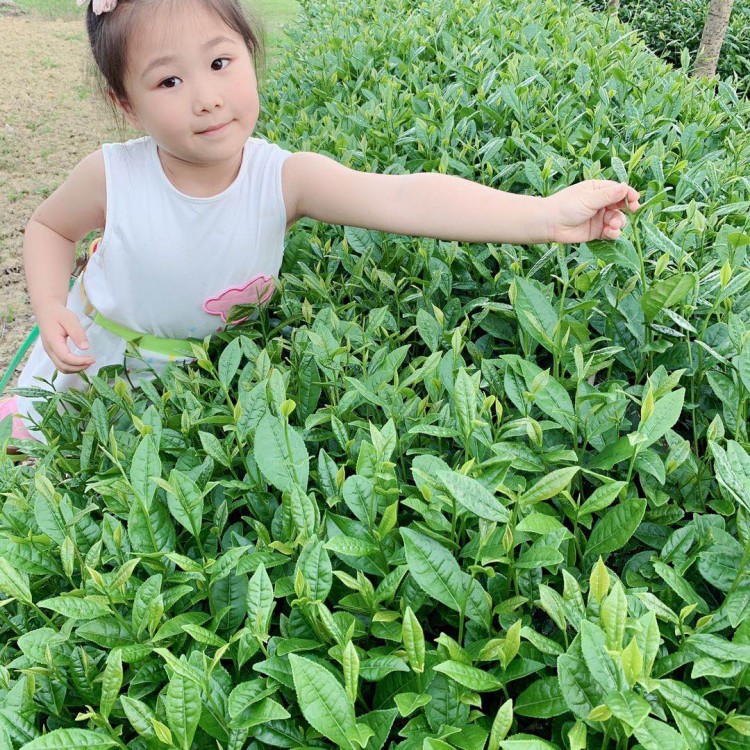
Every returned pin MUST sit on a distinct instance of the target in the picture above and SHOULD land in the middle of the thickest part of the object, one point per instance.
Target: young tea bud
(725, 275)
(647, 407)
(661, 265)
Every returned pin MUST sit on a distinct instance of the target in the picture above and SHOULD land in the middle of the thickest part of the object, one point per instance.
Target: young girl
(195, 212)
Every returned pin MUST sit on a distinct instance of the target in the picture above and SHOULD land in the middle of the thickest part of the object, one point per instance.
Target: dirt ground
(50, 118)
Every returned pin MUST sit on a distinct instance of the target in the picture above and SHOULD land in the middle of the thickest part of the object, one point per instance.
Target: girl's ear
(124, 105)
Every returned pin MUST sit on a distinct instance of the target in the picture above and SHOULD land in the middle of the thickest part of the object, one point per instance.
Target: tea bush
(671, 26)
(436, 495)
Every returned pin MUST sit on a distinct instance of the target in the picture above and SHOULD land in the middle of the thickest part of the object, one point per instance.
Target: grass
(274, 13)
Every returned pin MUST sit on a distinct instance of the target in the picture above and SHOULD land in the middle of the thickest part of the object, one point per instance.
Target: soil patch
(49, 120)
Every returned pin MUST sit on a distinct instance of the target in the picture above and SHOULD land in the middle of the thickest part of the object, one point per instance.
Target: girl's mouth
(215, 129)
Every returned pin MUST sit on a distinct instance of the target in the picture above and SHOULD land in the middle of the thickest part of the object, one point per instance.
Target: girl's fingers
(65, 360)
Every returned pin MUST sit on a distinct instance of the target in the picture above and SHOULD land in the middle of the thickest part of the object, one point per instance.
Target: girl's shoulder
(259, 144)
(131, 152)
(79, 205)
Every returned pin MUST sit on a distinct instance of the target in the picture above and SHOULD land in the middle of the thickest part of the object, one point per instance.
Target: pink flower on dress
(100, 6)
(256, 292)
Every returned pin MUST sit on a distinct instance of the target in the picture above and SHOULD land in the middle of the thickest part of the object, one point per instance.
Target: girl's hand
(56, 324)
(590, 210)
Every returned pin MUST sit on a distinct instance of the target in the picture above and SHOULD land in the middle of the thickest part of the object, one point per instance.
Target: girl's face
(191, 84)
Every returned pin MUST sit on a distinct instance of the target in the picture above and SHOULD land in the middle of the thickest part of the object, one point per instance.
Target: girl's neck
(200, 180)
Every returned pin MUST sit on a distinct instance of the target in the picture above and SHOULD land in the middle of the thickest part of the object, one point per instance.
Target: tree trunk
(714, 30)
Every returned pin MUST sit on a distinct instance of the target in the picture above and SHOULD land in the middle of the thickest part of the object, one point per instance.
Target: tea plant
(673, 30)
(435, 495)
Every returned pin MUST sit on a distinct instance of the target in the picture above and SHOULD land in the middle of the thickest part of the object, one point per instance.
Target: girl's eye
(168, 83)
(220, 60)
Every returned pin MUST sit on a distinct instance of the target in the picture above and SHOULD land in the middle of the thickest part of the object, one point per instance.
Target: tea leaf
(616, 527)
(281, 454)
(323, 700)
(183, 708)
(71, 739)
(468, 676)
(541, 700)
(473, 496)
(553, 484)
(438, 574)
(666, 294)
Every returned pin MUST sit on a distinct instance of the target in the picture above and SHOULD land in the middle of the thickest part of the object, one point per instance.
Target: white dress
(170, 264)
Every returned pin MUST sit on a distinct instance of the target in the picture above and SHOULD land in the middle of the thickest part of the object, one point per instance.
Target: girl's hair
(109, 34)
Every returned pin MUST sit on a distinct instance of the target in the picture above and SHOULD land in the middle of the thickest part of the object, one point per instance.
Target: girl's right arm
(76, 208)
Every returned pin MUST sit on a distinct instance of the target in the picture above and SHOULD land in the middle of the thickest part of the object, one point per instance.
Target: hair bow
(100, 6)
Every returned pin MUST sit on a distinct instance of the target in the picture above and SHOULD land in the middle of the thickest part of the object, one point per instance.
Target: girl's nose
(207, 98)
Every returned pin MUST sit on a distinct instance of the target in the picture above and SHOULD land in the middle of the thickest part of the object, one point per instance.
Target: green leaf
(648, 638)
(140, 716)
(601, 498)
(408, 703)
(146, 464)
(111, 682)
(465, 402)
(246, 694)
(655, 735)
(437, 573)
(350, 666)
(315, 566)
(539, 556)
(429, 329)
(732, 471)
(377, 667)
(535, 314)
(260, 602)
(359, 496)
(213, 448)
(666, 412)
(263, 712)
(542, 699)
(628, 707)
(667, 294)
(183, 708)
(526, 742)
(620, 252)
(13, 582)
(553, 484)
(76, 608)
(743, 364)
(349, 545)
(501, 725)
(381, 723)
(323, 700)
(412, 637)
(680, 586)
(472, 495)
(281, 454)
(185, 501)
(145, 602)
(602, 668)
(686, 700)
(71, 739)
(613, 614)
(470, 677)
(616, 527)
(229, 362)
